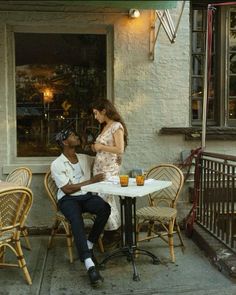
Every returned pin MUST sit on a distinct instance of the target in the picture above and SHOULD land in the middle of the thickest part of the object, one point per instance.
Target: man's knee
(75, 218)
(103, 207)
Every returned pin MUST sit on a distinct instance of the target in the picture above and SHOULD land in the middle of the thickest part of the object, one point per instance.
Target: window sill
(35, 168)
(194, 133)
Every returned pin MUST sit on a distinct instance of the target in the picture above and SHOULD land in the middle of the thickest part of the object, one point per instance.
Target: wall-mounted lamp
(134, 13)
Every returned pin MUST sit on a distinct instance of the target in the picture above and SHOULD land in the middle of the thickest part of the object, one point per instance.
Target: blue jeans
(73, 207)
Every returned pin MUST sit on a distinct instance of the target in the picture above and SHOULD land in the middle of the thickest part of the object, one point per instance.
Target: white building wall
(149, 94)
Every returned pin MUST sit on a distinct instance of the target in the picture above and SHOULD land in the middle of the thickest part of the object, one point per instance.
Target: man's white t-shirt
(64, 172)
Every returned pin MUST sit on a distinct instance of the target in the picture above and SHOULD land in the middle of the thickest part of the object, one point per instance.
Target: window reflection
(57, 78)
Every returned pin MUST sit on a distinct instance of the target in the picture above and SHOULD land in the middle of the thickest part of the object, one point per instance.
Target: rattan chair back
(15, 204)
(21, 176)
(168, 196)
(51, 189)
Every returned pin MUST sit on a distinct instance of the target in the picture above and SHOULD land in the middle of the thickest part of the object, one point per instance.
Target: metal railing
(216, 188)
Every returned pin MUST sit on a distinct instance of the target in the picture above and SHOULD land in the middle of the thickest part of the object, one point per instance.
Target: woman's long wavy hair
(111, 113)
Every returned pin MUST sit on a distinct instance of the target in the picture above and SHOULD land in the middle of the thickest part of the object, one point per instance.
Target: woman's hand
(92, 148)
(97, 147)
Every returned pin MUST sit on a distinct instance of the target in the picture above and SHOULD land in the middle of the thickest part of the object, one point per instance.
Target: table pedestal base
(128, 239)
(130, 254)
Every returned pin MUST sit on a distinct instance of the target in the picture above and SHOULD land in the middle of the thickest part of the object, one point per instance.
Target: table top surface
(132, 190)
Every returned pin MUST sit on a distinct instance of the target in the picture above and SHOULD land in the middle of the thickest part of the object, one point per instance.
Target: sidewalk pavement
(52, 273)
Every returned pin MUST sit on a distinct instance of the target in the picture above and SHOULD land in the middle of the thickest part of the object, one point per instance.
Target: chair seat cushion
(156, 213)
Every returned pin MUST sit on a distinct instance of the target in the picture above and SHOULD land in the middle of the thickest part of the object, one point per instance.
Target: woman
(109, 146)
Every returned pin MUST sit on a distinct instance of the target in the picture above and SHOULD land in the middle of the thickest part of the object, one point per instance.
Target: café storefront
(57, 57)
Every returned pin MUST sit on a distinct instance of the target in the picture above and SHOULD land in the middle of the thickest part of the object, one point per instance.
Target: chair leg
(100, 243)
(2, 254)
(179, 235)
(21, 261)
(53, 233)
(150, 228)
(69, 240)
(171, 240)
(25, 234)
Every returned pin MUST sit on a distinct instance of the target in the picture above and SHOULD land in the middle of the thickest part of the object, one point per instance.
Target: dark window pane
(232, 35)
(198, 42)
(232, 63)
(232, 109)
(196, 109)
(232, 86)
(210, 111)
(211, 92)
(198, 21)
(232, 41)
(57, 77)
(197, 87)
(198, 64)
(233, 19)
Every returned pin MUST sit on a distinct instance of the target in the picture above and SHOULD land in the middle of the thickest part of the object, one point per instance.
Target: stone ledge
(222, 257)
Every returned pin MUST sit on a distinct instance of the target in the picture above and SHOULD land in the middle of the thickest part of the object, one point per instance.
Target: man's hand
(97, 178)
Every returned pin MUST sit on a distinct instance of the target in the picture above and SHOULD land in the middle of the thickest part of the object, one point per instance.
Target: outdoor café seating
(15, 203)
(21, 176)
(160, 216)
(60, 220)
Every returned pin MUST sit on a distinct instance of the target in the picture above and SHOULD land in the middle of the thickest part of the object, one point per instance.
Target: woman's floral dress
(106, 162)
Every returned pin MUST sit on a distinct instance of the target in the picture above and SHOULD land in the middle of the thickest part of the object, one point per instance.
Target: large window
(222, 86)
(57, 78)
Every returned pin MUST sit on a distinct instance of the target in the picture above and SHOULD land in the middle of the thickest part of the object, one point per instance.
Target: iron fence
(216, 189)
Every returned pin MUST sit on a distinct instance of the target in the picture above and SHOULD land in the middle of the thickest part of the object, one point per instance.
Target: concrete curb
(221, 256)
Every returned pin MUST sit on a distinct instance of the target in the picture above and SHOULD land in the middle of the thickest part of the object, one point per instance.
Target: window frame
(221, 67)
(14, 160)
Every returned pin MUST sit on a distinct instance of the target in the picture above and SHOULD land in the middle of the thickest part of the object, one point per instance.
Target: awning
(155, 5)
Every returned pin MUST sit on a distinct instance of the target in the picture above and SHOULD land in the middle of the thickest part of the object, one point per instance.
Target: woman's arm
(118, 147)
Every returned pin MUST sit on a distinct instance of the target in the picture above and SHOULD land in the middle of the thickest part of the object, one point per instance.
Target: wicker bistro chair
(60, 219)
(160, 215)
(15, 204)
(21, 176)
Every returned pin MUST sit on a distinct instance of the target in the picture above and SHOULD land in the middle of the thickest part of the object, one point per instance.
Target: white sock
(90, 245)
(88, 263)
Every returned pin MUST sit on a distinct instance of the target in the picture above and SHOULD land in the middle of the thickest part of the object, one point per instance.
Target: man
(71, 171)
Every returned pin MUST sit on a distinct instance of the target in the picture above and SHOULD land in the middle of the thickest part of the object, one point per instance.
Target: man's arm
(73, 188)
